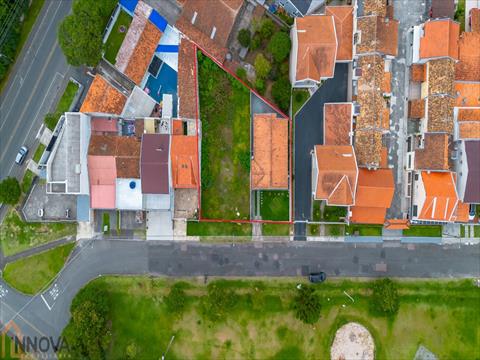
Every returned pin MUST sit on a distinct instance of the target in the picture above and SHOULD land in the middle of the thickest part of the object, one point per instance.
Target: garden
(63, 105)
(323, 212)
(274, 205)
(270, 319)
(117, 34)
(225, 117)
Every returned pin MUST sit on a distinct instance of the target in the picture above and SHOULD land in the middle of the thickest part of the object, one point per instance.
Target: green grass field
(115, 39)
(207, 229)
(63, 105)
(443, 316)
(364, 230)
(299, 97)
(276, 229)
(30, 275)
(39, 152)
(274, 205)
(424, 230)
(225, 116)
(16, 235)
(27, 181)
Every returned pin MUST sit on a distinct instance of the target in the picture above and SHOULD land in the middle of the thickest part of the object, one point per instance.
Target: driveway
(308, 133)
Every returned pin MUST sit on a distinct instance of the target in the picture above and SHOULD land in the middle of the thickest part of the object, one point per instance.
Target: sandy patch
(352, 342)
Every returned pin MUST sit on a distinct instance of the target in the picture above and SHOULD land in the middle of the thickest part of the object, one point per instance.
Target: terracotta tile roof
(469, 130)
(375, 190)
(440, 39)
(317, 45)
(466, 114)
(468, 68)
(417, 72)
(387, 83)
(100, 125)
(440, 196)
(269, 165)
(177, 127)
(475, 19)
(440, 114)
(397, 224)
(184, 161)
(343, 16)
(435, 152)
(368, 148)
(441, 76)
(416, 109)
(337, 123)
(102, 174)
(143, 53)
(103, 98)
(375, 7)
(187, 86)
(468, 94)
(337, 174)
(442, 9)
(154, 164)
(378, 35)
(461, 213)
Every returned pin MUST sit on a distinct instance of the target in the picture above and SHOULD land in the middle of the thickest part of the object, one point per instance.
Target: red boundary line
(274, 107)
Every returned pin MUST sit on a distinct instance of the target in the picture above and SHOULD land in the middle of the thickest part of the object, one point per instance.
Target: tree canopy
(281, 93)
(306, 305)
(10, 191)
(262, 66)
(244, 37)
(385, 300)
(279, 46)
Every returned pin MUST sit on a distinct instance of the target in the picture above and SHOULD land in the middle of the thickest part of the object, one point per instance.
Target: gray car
(22, 154)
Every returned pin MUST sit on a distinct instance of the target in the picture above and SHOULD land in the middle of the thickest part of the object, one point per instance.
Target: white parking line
(46, 303)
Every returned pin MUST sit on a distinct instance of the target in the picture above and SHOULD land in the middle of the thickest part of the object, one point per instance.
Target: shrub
(244, 37)
(279, 46)
(284, 68)
(306, 305)
(218, 302)
(267, 27)
(244, 158)
(176, 300)
(385, 300)
(10, 191)
(256, 42)
(260, 86)
(281, 93)
(262, 66)
(51, 120)
(242, 73)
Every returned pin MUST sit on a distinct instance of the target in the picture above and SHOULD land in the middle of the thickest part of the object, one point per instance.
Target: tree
(244, 37)
(10, 191)
(306, 305)
(281, 93)
(262, 66)
(385, 300)
(260, 86)
(256, 42)
(279, 46)
(267, 27)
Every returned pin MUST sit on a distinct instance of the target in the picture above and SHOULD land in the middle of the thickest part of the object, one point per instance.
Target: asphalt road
(47, 314)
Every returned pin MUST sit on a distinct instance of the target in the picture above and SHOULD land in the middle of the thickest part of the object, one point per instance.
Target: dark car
(317, 278)
(22, 154)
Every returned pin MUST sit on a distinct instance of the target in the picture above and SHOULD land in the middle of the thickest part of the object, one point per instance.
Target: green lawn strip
(462, 231)
(313, 230)
(476, 231)
(39, 152)
(27, 181)
(115, 39)
(424, 230)
(30, 275)
(275, 229)
(274, 205)
(63, 105)
(364, 230)
(260, 324)
(316, 216)
(334, 230)
(299, 97)
(17, 235)
(334, 213)
(225, 115)
(106, 222)
(31, 16)
(202, 228)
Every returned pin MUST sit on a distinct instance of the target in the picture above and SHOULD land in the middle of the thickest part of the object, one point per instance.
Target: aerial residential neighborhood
(266, 179)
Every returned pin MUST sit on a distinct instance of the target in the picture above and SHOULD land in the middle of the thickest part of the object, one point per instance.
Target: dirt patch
(352, 341)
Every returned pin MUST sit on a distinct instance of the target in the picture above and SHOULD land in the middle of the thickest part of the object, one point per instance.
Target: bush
(242, 73)
(267, 27)
(10, 191)
(306, 305)
(218, 302)
(51, 120)
(176, 300)
(385, 300)
(279, 46)
(244, 37)
(285, 68)
(281, 93)
(262, 66)
(260, 86)
(256, 42)
(244, 159)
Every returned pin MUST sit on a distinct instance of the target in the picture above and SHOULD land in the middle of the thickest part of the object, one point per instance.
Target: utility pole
(168, 347)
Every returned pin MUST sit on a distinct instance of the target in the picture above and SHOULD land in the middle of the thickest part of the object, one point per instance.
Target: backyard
(225, 116)
(63, 105)
(274, 205)
(259, 321)
(31, 274)
(118, 33)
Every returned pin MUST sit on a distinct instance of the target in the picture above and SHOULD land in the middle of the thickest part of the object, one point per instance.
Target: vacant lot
(225, 116)
(260, 324)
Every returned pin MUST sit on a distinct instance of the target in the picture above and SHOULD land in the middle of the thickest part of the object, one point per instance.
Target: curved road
(46, 314)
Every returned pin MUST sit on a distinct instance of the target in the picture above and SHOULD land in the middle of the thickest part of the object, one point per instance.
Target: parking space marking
(46, 303)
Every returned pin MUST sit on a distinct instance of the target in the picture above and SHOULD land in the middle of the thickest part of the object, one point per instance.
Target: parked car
(316, 278)
(22, 154)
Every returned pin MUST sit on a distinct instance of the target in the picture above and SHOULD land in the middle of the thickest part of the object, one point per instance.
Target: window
(416, 177)
(415, 210)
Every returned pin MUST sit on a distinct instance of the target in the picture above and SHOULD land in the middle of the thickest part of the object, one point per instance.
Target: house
(442, 9)
(472, 20)
(269, 163)
(468, 67)
(468, 171)
(344, 24)
(187, 86)
(434, 155)
(184, 162)
(337, 123)
(334, 174)
(103, 97)
(377, 35)
(467, 123)
(299, 8)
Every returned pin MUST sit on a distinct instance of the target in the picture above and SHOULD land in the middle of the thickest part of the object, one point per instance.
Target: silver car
(22, 154)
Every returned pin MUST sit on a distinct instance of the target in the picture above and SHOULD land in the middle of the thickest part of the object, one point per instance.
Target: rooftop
(440, 114)
(469, 130)
(154, 163)
(317, 46)
(441, 76)
(184, 161)
(269, 164)
(375, 7)
(468, 114)
(475, 19)
(368, 148)
(343, 16)
(337, 123)
(417, 72)
(472, 189)
(187, 86)
(379, 35)
(440, 39)
(103, 98)
(102, 174)
(139, 104)
(468, 68)
(440, 196)
(468, 94)
(435, 152)
(442, 9)
(416, 108)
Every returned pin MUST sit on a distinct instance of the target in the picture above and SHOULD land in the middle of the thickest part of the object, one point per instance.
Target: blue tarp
(167, 48)
(158, 20)
(83, 208)
(129, 4)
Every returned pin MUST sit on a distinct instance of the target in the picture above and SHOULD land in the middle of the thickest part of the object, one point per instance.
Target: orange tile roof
(468, 68)
(317, 46)
(397, 224)
(462, 212)
(435, 152)
(468, 114)
(440, 196)
(375, 7)
(416, 108)
(368, 148)
(440, 114)
(187, 86)
(441, 76)
(337, 123)
(337, 174)
(103, 98)
(440, 39)
(468, 94)
(379, 35)
(269, 165)
(343, 16)
(102, 174)
(184, 161)
(368, 215)
(177, 127)
(417, 72)
(469, 129)
(475, 19)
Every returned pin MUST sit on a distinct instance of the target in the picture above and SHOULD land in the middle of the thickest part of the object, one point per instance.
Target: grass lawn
(30, 275)
(364, 230)
(27, 181)
(105, 222)
(27, 25)
(334, 213)
(276, 229)
(424, 230)
(115, 39)
(16, 235)
(225, 116)
(299, 97)
(476, 231)
(274, 205)
(39, 152)
(260, 324)
(313, 229)
(63, 105)
(316, 215)
(334, 230)
(195, 228)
